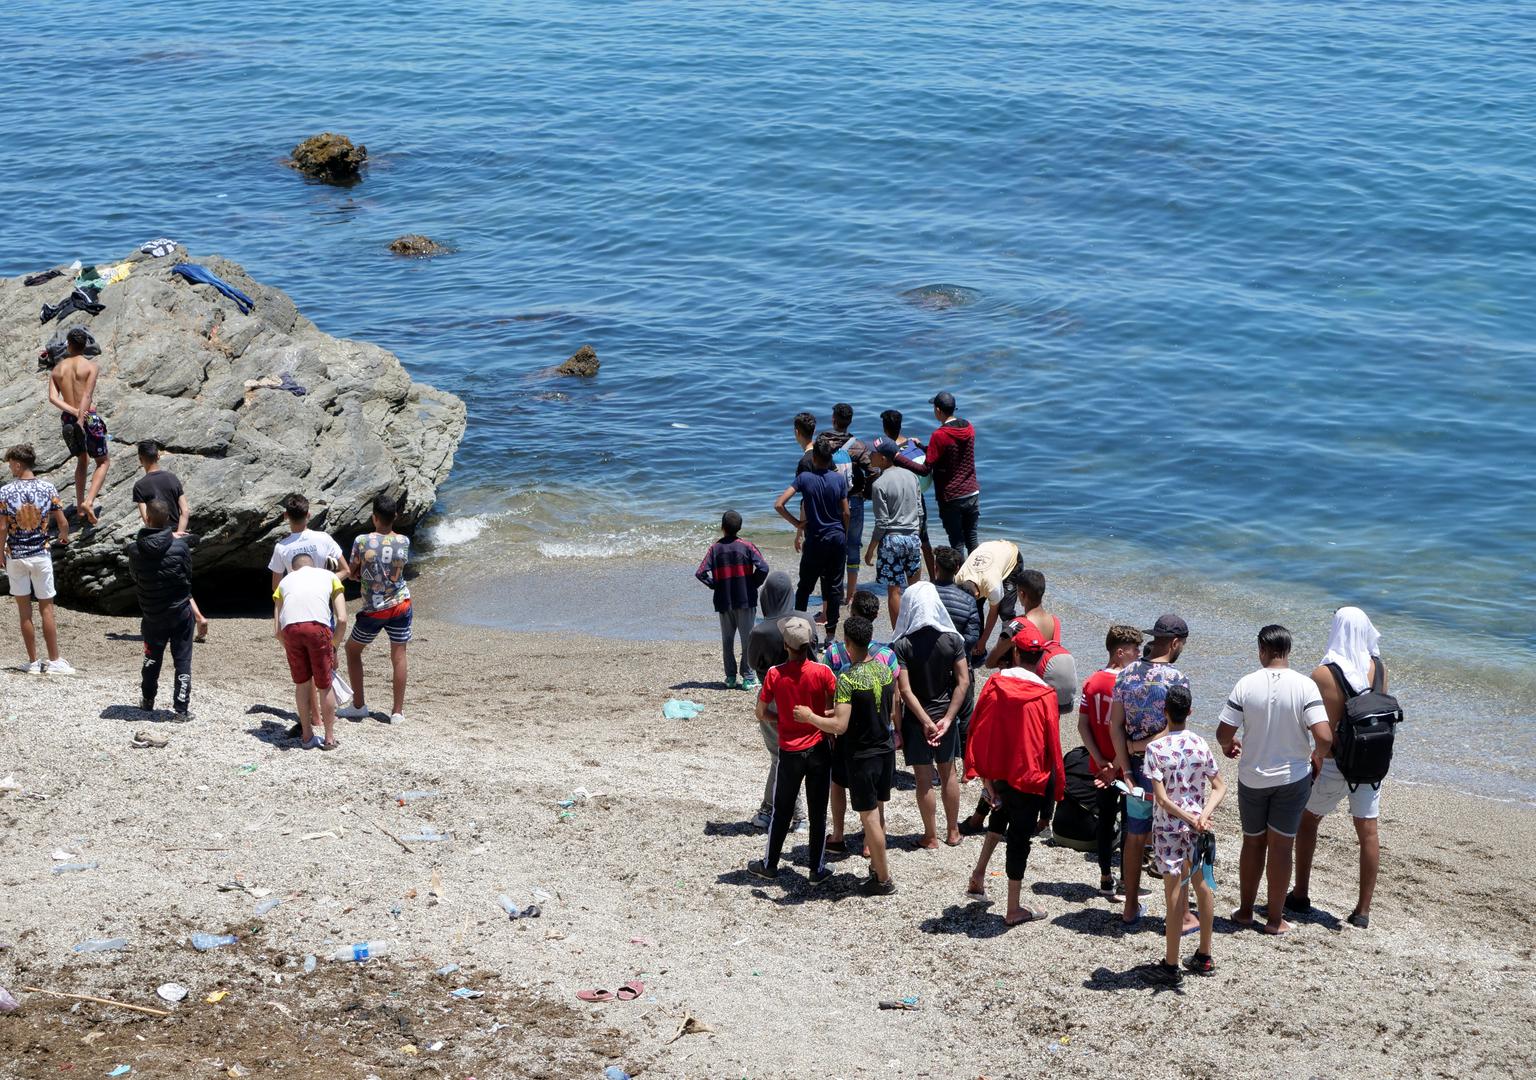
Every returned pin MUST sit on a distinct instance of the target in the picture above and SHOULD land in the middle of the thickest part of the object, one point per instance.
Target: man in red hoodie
(1015, 747)
(951, 460)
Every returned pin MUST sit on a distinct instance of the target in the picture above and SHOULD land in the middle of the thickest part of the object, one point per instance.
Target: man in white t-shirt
(309, 618)
(1284, 740)
(325, 553)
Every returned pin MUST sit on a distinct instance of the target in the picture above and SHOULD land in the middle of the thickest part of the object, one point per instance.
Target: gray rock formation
(583, 363)
(417, 246)
(941, 297)
(177, 363)
(330, 157)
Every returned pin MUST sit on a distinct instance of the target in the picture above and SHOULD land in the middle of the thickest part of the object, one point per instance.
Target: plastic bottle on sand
(102, 945)
(363, 950)
(204, 942)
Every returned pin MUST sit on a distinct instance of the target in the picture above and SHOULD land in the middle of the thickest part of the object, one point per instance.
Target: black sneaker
(816, 877)
(758, 870)
(296, 732)
(1301, 905)
(1163, 973)
(973, 826)
(182, 718)
(873, 886)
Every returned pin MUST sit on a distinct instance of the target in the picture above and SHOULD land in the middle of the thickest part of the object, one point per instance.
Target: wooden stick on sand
(97, 1000)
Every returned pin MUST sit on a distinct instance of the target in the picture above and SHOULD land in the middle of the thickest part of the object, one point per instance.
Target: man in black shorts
(864, 757)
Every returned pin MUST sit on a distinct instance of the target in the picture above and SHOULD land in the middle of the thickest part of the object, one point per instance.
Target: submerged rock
(941, 297)
(182, 366)
(583, 362)
(330, 157)
(417, 246)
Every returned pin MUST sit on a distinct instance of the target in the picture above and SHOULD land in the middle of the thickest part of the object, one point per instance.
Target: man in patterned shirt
(378, 563)
(1135, 719)
(26, 503)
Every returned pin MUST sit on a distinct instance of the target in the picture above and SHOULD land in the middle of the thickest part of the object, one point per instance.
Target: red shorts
(310, 653)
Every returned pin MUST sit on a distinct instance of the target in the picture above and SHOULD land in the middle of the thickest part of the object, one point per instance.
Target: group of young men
(834, 712)
(307, 566)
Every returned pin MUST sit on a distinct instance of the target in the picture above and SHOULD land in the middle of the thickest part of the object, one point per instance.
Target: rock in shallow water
(416, 245)
(330, 157)
(583, 362)
(176, 360)
(941, 297)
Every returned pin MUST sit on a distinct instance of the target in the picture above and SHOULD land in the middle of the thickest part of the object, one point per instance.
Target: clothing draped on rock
(1352, 642)
(158, 248)
(199, 275)
(60, 342)
(922, 606)
(81, 299)
(46, 275)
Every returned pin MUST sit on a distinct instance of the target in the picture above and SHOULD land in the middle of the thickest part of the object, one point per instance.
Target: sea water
(1238, 297)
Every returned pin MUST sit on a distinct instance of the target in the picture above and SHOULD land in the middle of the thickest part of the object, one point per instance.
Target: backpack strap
(1338, 677)
(1381, 674)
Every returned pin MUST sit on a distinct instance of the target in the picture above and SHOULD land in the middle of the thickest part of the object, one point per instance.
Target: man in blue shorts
(897, 502)
(1136, 718)
(378, 563)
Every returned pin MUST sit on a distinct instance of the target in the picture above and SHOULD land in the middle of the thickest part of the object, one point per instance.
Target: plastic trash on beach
(414, 796)
(613, 1072)
(9, 783)
(204, 942)
(465, 993)
(906, 1004)
(7, 1003)
(427, 835)
(74, 867)
(172, 992)
(267, 905)
(363, 950)
(309, 964)
(102, 945)
(509, 905)
(446, 970)
(681, 709)
(121, 1070)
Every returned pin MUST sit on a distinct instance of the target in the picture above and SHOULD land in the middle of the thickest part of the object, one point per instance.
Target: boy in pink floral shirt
(1179, 765)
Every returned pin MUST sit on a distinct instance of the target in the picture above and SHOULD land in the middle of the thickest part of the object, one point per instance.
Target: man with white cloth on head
(1354, 654)
(934, 683)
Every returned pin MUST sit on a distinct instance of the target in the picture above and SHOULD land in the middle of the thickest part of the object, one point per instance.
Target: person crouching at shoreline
(310, 621)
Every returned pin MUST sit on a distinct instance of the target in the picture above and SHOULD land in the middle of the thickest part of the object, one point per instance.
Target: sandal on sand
(595, 995)
(1030, 915)
(631, 990)
(144, 740)
(328, 744)
(1357, 919)
(1141, 909)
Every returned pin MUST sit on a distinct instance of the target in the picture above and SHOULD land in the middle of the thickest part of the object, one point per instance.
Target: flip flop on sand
(1141, 909)
(1030, 915)
(628, 992)
(595, 995)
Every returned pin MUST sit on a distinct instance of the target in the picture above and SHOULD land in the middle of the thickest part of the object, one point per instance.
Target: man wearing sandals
(1015, 749)
(1285, 739)
(1180, 764)
(310, 621)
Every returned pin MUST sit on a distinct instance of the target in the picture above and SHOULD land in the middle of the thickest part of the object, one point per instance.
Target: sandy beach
(645, 881)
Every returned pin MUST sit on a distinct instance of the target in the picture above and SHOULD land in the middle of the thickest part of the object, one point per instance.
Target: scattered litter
(409, 1048)
(216, 997)
(613, 1072)
(102, 945)
(60, 855)
(738, 943)
(361, 951)
(93, 1036)
(172, 992)
(435, 1046)
(679, 709)
(74, 867)
(428, 835)
(413, 796)
(435, 893)
(540, 896)
(395, 909)
(267, 905)
(246, 769)
(908, 1003)
(532, 911)
(205, 942)
(237, 1071)
(143, 740)
(7, 1003)
(319, 836)
(466, 993)
(10, 784)
(258, 893)
(641, 941)
(96, 1000)
(690, 1025)
(121, 1070)
(446, 970)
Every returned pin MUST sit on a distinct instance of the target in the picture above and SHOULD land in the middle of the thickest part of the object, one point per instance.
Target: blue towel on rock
(199, 275)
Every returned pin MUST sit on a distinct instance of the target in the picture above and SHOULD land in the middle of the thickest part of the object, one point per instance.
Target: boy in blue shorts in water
(378, 563)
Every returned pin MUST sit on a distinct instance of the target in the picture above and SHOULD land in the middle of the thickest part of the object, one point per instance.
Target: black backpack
(1362, 743)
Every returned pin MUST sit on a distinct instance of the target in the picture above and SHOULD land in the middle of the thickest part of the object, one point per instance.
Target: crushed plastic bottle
(74, 867)
(428, 835)
(267, 905)
(309, 964)
(204, 942)
(102, 945)
(446, 970)
(413, 796)
(363, 950)
(613, 1072)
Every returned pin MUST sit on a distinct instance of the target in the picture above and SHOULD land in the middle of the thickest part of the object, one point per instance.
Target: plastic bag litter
(680, 709)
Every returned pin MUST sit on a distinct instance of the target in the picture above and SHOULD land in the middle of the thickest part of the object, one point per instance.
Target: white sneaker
(60, 666)
(34, 668)
(397, 718)
(799, 826)
(352, 712)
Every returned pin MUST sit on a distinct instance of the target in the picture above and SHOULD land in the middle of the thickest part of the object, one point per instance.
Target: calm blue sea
(1253, 281)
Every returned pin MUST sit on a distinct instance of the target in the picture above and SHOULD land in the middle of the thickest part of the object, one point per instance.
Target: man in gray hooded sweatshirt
(765, 648)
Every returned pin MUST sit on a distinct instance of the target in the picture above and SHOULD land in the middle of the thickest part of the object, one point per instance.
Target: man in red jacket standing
(951, 460)
(1015, 747)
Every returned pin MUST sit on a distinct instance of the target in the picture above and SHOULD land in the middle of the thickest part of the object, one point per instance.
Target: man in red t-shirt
(804, 755)
(1124, 646)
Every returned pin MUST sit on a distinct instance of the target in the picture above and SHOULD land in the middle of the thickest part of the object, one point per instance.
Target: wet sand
(646, 881)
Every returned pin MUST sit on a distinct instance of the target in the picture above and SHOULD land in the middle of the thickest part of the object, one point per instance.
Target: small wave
(607, 545)
(456, 531)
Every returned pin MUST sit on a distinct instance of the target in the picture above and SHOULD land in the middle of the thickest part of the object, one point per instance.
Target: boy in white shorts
(26, 503)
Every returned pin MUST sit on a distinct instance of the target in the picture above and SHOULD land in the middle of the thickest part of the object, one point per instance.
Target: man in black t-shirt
(935, 685)
(158, 483)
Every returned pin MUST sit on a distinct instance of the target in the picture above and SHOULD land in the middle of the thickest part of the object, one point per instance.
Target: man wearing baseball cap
(1135, 719)
(897, 502)
(951, 460)
(804, 756)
